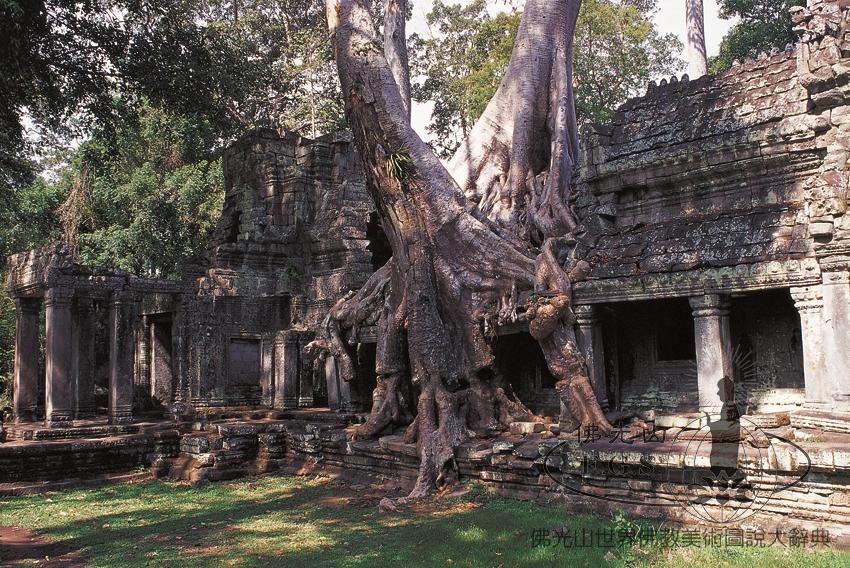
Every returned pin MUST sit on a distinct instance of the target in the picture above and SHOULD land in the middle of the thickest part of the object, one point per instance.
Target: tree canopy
(763, 25)
(231, 63)
(459, 67)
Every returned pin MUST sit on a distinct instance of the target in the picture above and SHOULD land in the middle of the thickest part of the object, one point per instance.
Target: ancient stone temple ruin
(295, 234)
(715, 224)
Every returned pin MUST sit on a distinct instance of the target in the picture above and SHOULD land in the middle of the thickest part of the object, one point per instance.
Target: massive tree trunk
(464, 257)
(518, 163)
(695, 21)
(395, 47)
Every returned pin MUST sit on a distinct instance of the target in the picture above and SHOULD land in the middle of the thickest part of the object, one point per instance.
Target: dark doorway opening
(243, 372)
(650, 355)
(379, 245)
(161, 364)
(520, 360)
(767, 348)
(366, 376)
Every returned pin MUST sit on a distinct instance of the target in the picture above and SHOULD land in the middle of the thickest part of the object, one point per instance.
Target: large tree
(695, 24)
(481, 242)
(459, 65)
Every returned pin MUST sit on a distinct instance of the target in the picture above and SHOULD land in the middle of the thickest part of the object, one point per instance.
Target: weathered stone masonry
(723, 191)
(293, 237)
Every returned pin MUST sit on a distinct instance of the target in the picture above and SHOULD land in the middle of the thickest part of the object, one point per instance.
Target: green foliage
(7, 348)
(617, 51)
(151, 193)
(763, 25)
(460, 67)
(398, 164)
(234, 63)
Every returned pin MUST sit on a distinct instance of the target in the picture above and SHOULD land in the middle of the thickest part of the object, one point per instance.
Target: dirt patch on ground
(22, 547)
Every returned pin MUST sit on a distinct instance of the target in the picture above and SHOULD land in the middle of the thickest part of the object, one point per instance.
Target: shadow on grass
(285, 522)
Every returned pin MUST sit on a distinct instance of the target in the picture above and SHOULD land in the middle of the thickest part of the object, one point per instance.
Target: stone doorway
(767, 351)
(520, 359)
(244, 371)
(650, 355)
(162, 364)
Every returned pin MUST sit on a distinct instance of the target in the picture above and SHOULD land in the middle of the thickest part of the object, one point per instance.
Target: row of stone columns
(825, 325)
(69, 357)
(293, 386)
(713, 348)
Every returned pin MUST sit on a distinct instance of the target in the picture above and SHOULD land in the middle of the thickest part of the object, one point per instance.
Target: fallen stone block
(526, 427)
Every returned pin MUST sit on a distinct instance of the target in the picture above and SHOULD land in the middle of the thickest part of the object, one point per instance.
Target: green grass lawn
(285, 521)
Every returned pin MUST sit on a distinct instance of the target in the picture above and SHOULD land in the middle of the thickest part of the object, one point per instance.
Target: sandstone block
(526, 427)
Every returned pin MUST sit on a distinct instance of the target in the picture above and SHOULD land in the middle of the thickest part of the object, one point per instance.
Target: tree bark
(518, 163)
(697, 58)
(395, 47)
(458, 258)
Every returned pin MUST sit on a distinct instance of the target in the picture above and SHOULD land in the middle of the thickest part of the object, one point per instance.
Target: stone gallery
(715, 230)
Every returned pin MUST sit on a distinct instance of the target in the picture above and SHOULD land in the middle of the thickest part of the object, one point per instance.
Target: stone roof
(718, 172)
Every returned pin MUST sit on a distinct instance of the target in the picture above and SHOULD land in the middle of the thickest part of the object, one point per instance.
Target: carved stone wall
(292, 239)
(290, 242)
(725, 187)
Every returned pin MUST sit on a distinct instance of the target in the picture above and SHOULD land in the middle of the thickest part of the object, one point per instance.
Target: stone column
(25, 378)
(143, 355)
(836, 335)
(305, 391)
(267, 383)
(59, 385)
(339, 391)
(286, 368)
(84, 330)
(589, 336)
(809, 303)
(181, 355)
(305, 371)
(121, 350)
(713, 350)
(346, 399)
(332, 382)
